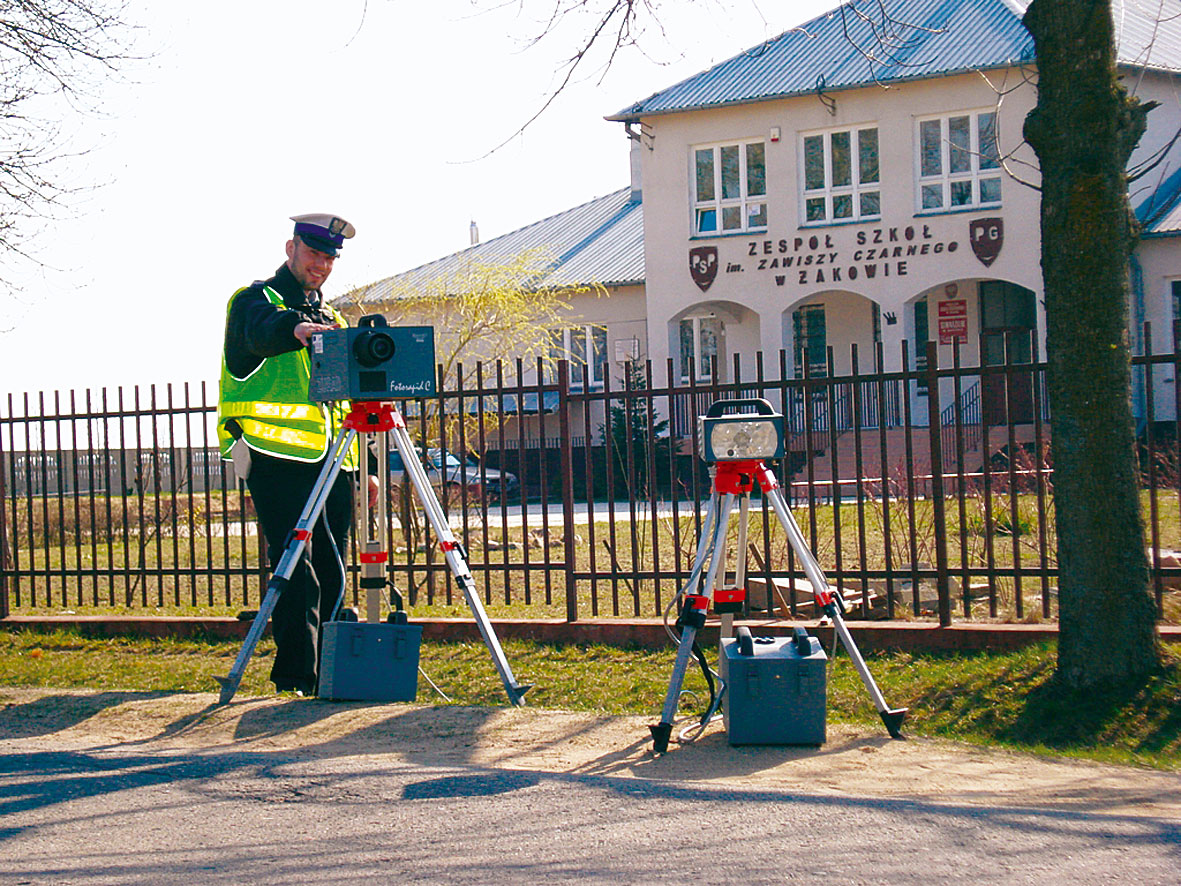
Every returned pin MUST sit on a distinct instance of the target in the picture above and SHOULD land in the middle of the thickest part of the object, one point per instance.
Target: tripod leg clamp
(830, 602)
(693, 612)
(729, 600)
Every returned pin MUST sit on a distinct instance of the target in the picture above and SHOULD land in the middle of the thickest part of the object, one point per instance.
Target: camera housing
(373, 361)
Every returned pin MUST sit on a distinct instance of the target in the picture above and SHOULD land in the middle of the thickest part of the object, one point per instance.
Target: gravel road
(134, 788)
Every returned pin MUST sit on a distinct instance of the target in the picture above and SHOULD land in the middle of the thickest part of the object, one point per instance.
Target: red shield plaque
(703, 265)
(987, 236)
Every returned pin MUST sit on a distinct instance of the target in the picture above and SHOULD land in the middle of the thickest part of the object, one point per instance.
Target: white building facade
(828, 193)
(801, 197)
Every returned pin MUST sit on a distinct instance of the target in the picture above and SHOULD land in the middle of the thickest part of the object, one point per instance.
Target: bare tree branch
(51, 51)
(619, 19)
(1153, 160)
(617, 25)
(1010, 159)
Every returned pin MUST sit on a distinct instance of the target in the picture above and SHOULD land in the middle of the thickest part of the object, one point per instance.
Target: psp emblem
(987, 236)
(703, 265)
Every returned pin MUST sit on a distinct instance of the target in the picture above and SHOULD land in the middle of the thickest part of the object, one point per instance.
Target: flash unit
(742, 437)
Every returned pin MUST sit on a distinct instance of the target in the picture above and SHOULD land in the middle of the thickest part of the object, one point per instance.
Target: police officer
(278, 439)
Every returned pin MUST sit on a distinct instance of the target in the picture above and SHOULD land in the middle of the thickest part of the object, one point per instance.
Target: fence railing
(932, 495)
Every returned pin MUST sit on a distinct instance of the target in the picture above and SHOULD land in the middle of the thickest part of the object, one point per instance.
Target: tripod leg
(717, 558)
(456, 561)
(371, 539)
(692, 617)
(287, 562)
(891, 717)
(829, 601)
(692, 621)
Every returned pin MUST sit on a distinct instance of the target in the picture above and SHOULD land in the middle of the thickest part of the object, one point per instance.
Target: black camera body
(373, 361)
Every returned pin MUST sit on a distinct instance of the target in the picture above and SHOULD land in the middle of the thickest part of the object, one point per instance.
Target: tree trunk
(1084, 129)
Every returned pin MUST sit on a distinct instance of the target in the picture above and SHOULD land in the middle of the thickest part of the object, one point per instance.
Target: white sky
(254, 110)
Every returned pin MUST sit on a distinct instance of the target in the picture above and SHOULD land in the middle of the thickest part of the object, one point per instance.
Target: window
(730, 188)
(841, 176)
(586, 349)
(699, 346)
(959, 162)
(1175, 291)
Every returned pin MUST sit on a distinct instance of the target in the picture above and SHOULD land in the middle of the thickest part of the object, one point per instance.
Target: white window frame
(981, 177)
(702, 362)
(578, 345)
(750, 209)
(862, 191)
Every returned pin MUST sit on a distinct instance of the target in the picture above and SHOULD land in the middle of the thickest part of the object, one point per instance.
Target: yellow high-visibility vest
(271, 405)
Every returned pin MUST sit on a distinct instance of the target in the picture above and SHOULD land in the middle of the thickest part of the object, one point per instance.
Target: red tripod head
(372, 416)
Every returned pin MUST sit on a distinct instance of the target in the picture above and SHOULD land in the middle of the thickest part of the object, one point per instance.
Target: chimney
(474, 233)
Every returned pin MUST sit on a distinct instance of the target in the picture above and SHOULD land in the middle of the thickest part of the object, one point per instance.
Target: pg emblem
(987, 236)
(703, 265)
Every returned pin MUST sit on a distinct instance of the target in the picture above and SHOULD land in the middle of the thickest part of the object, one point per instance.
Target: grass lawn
(1003, 699)
(94, 563)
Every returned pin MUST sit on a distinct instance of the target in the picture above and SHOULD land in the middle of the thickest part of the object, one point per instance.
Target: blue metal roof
(1148, 35)
(848, 47)
(600, 242)
(1160, 213)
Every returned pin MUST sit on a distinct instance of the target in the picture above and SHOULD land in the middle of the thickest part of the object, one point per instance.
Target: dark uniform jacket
(256, 329)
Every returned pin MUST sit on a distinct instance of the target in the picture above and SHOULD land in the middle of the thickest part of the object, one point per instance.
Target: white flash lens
(743, 439)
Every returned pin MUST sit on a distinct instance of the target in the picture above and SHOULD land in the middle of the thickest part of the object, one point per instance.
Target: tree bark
(1084, 129)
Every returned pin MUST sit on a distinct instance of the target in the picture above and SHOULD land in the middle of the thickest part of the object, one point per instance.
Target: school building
(834, 188)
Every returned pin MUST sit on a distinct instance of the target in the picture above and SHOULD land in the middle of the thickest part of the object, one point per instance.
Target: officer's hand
(373, 489)
(305, 330)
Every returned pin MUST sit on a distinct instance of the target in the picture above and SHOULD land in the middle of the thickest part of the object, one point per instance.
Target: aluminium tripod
(372, 417)
(735, 480)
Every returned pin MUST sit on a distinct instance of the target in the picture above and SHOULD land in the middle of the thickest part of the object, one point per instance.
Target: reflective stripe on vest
(271, 406)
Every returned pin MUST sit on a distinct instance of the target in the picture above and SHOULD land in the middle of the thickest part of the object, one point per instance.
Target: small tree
(638, 439)
(481, 311)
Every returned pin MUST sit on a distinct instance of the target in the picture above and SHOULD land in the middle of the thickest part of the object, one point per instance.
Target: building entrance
(1008, 326)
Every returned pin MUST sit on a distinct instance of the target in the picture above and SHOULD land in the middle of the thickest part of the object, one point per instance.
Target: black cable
(339, 563)
(699, 654)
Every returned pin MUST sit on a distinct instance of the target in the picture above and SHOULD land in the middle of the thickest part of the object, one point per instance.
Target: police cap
(323, 231)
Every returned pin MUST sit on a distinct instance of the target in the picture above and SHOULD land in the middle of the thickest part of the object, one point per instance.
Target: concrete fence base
(645, 633)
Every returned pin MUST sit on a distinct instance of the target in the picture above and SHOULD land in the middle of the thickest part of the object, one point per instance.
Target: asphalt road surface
(128, 814)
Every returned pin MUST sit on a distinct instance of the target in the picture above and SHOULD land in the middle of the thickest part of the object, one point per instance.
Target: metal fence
(924, 491)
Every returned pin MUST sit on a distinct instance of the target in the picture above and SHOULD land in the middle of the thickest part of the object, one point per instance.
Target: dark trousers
(281, 489)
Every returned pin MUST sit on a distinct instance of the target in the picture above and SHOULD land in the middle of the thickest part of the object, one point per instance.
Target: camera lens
(373, 348)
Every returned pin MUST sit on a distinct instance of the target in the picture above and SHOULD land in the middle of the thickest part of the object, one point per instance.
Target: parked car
(482, 483)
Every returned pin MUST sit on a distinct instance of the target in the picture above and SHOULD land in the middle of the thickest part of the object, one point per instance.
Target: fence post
(566, 450)
(5, 556)
(935, 432)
